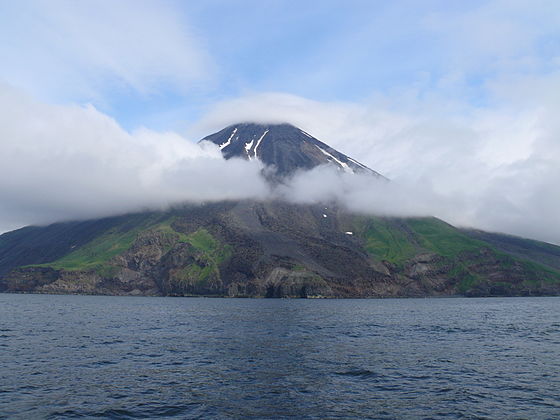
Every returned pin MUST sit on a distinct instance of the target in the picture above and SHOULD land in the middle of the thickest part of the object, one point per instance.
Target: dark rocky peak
(282, 146)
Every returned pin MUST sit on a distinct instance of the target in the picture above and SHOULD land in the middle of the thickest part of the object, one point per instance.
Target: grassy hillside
(203, 264)
(217, 248)
(541, 252)
(95, 254)
(470, 261)
(42, 244)
(398, 240)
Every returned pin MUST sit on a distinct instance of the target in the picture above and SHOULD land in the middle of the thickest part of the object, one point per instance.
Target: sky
(102, 102)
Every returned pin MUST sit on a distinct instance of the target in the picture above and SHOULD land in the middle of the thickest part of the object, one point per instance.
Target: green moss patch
(96, 254)
(441, 238)
(210, 254)
(384, 240)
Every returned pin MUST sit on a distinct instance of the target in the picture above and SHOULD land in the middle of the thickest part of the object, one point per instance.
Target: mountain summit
(282, 146)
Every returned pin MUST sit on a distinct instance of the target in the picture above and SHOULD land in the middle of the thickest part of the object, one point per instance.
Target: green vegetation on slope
(95, 255)
(98, 252)
(538, 273)
(399, 240)
(467, 279)
(539, 252)
(384, 240)
(164, 228)
(441, 238)
(209, 256)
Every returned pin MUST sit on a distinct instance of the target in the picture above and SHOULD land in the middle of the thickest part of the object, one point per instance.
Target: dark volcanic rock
(283, 147)
(28, 279)
(276, 249)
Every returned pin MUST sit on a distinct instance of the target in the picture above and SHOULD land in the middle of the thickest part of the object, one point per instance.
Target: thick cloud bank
(495, 168)
(65, 162)
(495, 171)
(362, 193)
(71, 162)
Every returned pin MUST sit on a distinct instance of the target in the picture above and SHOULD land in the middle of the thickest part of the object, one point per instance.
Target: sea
(67, 357)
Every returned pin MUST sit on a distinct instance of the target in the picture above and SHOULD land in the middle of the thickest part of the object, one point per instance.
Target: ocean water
(132, 357)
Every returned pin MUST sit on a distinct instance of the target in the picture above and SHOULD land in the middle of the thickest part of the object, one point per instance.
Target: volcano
(274, 248)
(282, 147)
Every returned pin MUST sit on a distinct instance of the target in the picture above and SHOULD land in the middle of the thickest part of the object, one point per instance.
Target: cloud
(66, 162)
(362, 193)
(494, 168)
(465, 125)
(84, 50)
(62, 162)
(495, 35)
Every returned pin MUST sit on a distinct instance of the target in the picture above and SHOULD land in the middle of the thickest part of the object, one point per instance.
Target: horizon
(103, 103)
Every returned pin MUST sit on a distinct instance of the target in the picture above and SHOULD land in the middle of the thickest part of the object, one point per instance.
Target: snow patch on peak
(228, 142)
(259, 142)
(358, 163)
(343, 165)
(248, 147)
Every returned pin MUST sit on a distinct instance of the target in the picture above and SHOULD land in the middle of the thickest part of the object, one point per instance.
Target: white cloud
(491, 168)
(83, 50)
(495, 169)
(362, 193)
(65, 162)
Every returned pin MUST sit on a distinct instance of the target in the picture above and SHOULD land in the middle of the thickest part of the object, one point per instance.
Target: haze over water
(118, 357)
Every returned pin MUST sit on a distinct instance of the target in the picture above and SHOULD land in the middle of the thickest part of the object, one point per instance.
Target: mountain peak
(282, 146)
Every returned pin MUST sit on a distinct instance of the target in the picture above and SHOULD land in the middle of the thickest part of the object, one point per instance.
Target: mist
(73, 162)
(63, 163)
(362, 193)
(495, 168)
(68, 162)
(465, 127)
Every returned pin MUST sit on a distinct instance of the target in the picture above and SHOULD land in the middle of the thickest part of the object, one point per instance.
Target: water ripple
(66, 357)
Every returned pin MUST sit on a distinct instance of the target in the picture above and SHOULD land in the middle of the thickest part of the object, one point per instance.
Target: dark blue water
(122, 357)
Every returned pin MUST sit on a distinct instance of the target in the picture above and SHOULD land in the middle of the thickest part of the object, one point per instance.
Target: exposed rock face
(48, 280)
(29, 279)
(283, 147)
(287, 283)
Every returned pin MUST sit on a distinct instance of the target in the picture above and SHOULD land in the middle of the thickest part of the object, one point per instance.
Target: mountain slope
(274, 248)
(49, 243)
(541, 252)
(278, 249)
(282, 146)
